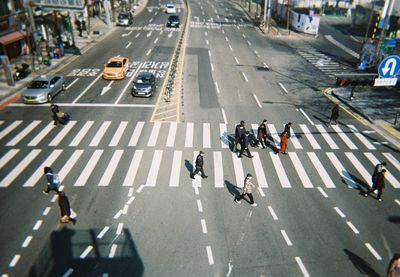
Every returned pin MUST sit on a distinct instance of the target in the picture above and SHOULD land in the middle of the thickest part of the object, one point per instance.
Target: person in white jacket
(247, 190)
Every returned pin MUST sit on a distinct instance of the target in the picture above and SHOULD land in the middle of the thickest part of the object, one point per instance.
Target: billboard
(72, 4)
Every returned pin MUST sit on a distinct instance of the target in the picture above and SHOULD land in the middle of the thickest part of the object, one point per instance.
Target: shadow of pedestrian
(394, 219)
(233, 190)
(361, 265)
(362, 186)
(226, 139)
(189, 166)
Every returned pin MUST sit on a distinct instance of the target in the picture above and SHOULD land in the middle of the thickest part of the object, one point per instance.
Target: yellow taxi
(116, 68)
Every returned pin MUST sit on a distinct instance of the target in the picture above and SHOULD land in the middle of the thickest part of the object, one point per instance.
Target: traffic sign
(389, 67)
(385, 82)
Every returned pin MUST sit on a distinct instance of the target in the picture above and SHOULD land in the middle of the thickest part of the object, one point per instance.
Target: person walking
(247, 190)
(378, 168)
(53, 181)
(284, 137)
(262, 133)
(287, 128)
(394, 266)
(334, 115)
(79, 27)
(199, 166)
(378, 184)
(245, 145)
(67, 214)
(240, 130)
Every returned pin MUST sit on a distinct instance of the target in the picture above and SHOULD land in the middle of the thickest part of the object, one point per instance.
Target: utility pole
(33, 32)
(385, 21)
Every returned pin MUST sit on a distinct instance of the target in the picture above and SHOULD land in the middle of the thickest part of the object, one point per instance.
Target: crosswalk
(102, 134)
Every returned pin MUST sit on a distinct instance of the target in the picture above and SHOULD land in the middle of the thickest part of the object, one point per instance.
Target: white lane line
(112, 251)
(189, 134)
(149, 33)
(46, 211)
(73, 82)
(216, 86)
(119, 229)
(196, 190)
(68, 272)
(249, 43)
(261, 180)
(148, 52)
(230, 47)
(86, 252)
(154, 134)
(322, 192)
(373, 251)
(176, 169)
(155, 166)
(286, 237)
(210, 255)
(151, 19)
(300, 170)
(266, 66)
(344, 137)
(244, 76)
(128, 84)
(129, 44)
(199, 206)
(14, 260)
(274, 134)
(206, 135)
(238, 168)
(118, 214)
(37, 225)
(171, 134)
(53, 200)
(118, 134)
(36, 140)
(155, 41)
(10, 128)
(170, 34)
(212, 67)
(133, 168)
(352, 227)
(223, 135)
(343, 47)
(326, 136)
(85, 129)
(19, 168)
(112, 166)
(226, 39)
(130, 200)
(205, 33)
(389, 176)
(361, 137)
(243, 35)
(280, 171)
(89, 105)
(360, 168)
(284, 89)
(342, 215)
(100, 133)
(261, 192)
(87, 171)
(137, 35)
(258, 102)
(103, 232)
(24, 133)
(69, 164)
(392, 160)
(236, 60)
(87, 88)
(203, 226)
(196, 183)
(309, 136)
(224, 116)
(26, 242)
(321, 170)
(207, 41)
(60, 136)
(272, 212)
(302, 267)
(209, 53)
(342, 171)
(218, 170)
(8, 156)
(130, 192)
(397, 201)
(136, 133)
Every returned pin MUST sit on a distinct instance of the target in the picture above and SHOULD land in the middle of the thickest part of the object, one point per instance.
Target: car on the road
(125, 19)
(144, 84)
(170, 8)
(173, 21)
(43, 89)
(116, 68)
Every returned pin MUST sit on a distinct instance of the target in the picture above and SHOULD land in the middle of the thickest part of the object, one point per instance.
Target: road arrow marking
(368, 132)
(107, 88)
(149, 34)
(392, 67)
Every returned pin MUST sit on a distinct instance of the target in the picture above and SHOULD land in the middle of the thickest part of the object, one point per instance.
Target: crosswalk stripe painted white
(60, 136)
(309, 136)
(361, 137)
(154, 134)
(342, 171)
(218, 170)
(118, 134)
(274, 134)
(2, 122)
(321, 170)
(10, 128)
(206, 135)
(100, 133)
(280, 171)
(223, 134)
(326, 136)
(31, 182)
(388, 175)
(36, 140)
(300, 170)
(197, 181)
(8, 156)
(176, 169)
(82, 132)
(344, 137)
(392, 160)
(238, 168)
(154, 168)
(360, 168)
(171, 134)
(133, 168)
(70, 164)
(19, 168)
(136, 134)
(261, 180)
(112, 166)
(87, 171)
(189, 134)
(294, 139)
(24, 133)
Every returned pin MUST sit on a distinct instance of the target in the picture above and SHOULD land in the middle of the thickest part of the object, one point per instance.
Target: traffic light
(355, 79)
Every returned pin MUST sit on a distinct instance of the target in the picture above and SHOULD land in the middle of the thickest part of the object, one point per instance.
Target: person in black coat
(65, 208)
(334, 115)
(245, 145)
(199, 166)
(240, 130)
(378, 184)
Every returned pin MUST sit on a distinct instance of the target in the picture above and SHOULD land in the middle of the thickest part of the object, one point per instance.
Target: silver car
(43, 89)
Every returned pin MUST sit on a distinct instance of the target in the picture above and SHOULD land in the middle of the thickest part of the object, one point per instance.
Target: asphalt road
(139, 213)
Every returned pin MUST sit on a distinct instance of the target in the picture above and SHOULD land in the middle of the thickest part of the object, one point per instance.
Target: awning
(12, 37)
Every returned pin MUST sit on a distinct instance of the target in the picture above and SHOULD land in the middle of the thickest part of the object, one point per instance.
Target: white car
(170, 8)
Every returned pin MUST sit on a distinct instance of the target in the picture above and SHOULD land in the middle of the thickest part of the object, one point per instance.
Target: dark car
(173, 21)
(125, 19)
(144, 84)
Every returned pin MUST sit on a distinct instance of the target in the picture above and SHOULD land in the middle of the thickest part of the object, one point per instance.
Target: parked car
(116, 68)
(144, 85)
(125, 19)
(43, 89)
(170, 8)
(173, 21)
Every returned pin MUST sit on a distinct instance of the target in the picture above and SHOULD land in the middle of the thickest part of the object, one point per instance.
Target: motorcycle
(21, 72)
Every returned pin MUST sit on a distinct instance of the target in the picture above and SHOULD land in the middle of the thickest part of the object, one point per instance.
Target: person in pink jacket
(247, 190)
